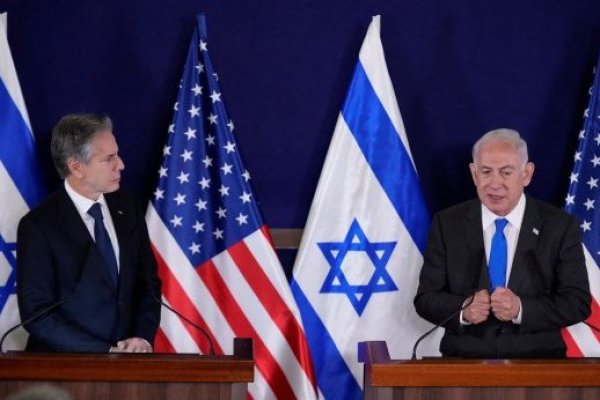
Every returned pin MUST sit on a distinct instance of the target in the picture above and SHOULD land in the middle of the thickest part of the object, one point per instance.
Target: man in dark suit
(514, 263)
(86, 250)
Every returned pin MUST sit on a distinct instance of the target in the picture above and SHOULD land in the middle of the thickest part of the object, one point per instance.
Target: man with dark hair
(514, 263)
(86, 250)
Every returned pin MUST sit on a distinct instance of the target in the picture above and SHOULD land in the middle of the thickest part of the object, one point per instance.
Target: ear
(528, 173)
(75, 167)
(473, 169)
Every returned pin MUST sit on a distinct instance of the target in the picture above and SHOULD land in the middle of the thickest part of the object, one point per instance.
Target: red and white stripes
(241, 292)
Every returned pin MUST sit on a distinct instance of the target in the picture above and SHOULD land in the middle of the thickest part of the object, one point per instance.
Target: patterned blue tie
(103, 242)
(498, 256)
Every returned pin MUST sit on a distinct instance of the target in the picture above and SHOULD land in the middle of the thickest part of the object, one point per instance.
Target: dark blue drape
(459, 68)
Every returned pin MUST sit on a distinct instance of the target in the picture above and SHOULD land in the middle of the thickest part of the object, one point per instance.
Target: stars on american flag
(215, 97)
(197, 89)
(581, 198)
(190, 133)
(220, 221)
(201, 205)
(203, 195)
(204, 182)
(226, 168)
(194, 111)
(187, 155)
(198, 226)
(583, 189)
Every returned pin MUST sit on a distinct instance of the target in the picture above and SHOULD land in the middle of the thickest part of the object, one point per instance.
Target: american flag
(216, 260)
(583, 201)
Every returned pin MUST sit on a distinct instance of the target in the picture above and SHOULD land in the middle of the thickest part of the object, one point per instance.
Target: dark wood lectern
(464, 379)
(133, 376)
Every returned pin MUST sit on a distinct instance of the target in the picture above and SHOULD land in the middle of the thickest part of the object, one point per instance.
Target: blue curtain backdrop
(459, 68)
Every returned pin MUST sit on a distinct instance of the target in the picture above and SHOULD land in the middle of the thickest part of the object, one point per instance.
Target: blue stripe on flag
(9, 288)
(334, 382)
(380, 143)
(17, 150)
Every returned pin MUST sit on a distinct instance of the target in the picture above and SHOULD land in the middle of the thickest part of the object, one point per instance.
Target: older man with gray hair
(87, 278)
(508, 267)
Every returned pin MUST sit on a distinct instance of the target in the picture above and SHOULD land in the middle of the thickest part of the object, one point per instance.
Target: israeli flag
(20, 185)
(357, 268)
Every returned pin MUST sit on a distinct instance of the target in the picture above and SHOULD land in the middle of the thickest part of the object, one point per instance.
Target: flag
(357, 268)
(583, 201)
(21, 185)
(216, 261)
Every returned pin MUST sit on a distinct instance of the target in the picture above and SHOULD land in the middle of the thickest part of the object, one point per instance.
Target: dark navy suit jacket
(57, 259)
(548, 274)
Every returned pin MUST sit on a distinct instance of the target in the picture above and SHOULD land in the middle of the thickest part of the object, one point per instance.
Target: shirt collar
(515, 217)
(82, 203)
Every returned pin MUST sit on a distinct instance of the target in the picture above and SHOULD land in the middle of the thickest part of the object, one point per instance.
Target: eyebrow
(499, 169)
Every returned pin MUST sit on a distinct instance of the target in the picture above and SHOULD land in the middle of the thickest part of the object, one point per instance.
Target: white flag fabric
(215, 258)
(357, 268)
(20, 185)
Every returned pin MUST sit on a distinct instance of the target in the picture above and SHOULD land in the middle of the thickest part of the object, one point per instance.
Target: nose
(120, 164)
(495, 179)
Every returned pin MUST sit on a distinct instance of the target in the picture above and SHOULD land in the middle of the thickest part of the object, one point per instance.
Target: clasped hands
(503, 303)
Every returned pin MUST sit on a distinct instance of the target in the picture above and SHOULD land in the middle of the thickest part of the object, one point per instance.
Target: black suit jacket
(57, 259)
(548, 274)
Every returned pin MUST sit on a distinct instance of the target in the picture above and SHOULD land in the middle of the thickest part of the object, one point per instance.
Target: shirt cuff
(517, 320)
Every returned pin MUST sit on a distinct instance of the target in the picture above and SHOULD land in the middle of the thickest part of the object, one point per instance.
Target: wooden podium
(441, 378)
(133, 376)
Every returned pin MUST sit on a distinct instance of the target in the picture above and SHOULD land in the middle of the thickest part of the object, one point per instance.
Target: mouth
(495, 197)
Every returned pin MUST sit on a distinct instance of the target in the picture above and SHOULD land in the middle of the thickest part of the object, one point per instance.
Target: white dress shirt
(83, 204)
(511, 232)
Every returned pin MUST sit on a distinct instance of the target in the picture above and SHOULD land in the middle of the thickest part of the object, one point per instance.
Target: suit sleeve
(566, 300)
(148, 285)
(434, 301)
(39, 286)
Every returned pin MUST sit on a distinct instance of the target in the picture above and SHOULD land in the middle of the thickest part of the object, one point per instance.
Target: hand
(479, 309)
(132, 345)
(505, 304)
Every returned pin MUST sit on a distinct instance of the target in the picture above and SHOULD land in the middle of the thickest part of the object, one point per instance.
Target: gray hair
(71, 138)
(503, 135)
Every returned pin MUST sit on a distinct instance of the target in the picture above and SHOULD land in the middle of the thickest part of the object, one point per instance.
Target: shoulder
(460, 211)
(547, 211)
(121, 196)
(48, 208)
(125, 203)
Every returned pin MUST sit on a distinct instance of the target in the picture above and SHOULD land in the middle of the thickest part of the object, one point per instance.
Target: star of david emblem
(357, 280)
(7, 251)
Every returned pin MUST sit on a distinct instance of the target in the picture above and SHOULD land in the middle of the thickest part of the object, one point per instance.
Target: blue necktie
(103, 242)
(498, 256)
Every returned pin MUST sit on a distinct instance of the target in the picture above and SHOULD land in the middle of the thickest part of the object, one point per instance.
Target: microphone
(211, 350)
(444, 321)
(35, 316)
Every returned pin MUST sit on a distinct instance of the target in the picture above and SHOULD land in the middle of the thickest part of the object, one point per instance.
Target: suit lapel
(79, 235)
(528, 237)
(89, 260)
(122, 224)
(69, 218)
(118, 216)
(474, 238)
